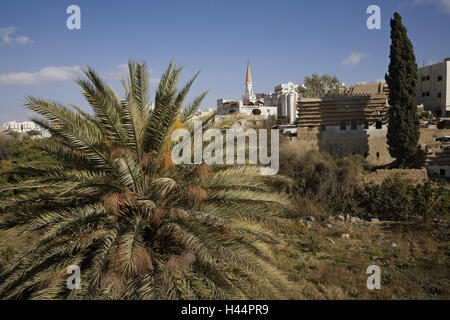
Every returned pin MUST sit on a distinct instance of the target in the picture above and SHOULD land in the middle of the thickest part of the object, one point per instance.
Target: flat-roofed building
(24, 126)
(433, 88)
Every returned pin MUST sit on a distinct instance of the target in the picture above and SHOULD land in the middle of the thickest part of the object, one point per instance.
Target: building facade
(433, 88)
(353, 123)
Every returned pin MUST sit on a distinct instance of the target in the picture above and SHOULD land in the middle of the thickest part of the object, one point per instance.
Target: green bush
(399, 199)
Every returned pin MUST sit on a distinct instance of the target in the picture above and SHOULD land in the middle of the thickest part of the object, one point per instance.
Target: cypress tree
(403, 128)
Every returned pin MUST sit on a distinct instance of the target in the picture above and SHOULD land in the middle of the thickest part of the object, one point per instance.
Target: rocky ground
(328, 258)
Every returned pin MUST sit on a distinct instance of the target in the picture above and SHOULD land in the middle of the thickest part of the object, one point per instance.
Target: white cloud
(52, 74)
(43, 76)
(6, 37)
(443, 5)
(353, 59)
(23, 40)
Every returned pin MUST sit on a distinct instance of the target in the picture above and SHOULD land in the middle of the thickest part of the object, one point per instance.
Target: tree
(138, 226)
(34, 133)
(321, 86)
(403, 126)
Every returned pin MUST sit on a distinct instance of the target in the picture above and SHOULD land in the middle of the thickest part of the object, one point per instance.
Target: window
(423, 94)
(423, 78)
(378, 125)
(378, 154)
(439, 95)
(439, 78)
(323, 127)
(343, 125)
(428, 78)
(428, 93)
(442, 172)
(354, 125)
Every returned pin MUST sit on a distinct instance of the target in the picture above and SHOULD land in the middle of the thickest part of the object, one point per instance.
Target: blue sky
(284, 41)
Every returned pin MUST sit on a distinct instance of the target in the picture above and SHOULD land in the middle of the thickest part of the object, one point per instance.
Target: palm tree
(138, 226)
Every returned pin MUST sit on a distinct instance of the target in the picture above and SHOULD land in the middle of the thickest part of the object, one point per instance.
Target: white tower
(248, 85)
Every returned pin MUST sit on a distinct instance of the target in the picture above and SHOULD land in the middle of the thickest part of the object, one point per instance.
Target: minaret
(248, 84)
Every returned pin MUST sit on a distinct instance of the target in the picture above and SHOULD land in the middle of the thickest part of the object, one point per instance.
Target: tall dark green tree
(403, 128)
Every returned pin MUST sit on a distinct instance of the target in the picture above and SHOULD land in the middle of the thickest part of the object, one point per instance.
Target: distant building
(433, 88)
(23, 127)
(281, 104)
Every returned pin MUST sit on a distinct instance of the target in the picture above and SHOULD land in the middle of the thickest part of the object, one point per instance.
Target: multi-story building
(433, 88)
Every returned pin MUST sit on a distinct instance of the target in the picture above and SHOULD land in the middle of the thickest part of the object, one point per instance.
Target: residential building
(433, 88)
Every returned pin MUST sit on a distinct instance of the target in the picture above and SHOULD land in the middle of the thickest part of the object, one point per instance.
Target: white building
(281, 104)
(24, 126)
(433, 88)
(285, 98)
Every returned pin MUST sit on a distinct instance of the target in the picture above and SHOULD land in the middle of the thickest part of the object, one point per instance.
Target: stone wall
(370, 144)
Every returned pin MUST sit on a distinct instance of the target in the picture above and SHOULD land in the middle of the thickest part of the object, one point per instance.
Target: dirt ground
(414, 259)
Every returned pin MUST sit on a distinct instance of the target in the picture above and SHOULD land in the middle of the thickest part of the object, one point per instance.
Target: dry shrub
(321, 175)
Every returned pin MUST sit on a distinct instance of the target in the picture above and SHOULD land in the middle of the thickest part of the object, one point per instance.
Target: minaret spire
(248, 84)
(249, 74)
